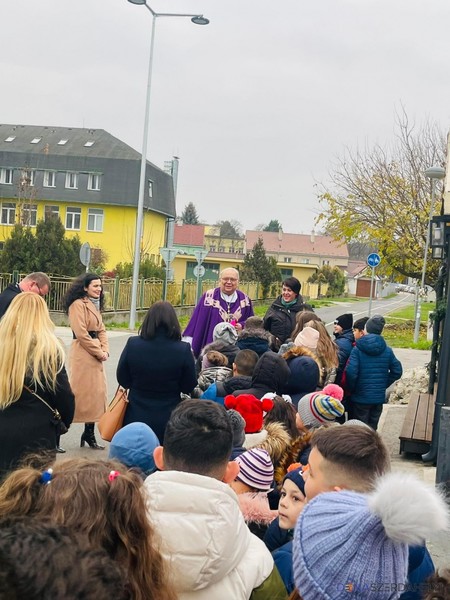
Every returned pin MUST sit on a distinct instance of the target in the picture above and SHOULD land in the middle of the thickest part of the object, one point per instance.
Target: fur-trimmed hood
(255, 508)
(300, 351)
(276, 441)
(254, 332)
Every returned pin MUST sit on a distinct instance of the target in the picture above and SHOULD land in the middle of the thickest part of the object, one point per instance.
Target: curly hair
(326, 348)
(111, 513)
(77, 290)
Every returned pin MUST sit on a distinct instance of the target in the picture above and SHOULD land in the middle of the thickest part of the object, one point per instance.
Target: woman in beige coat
(83, 303)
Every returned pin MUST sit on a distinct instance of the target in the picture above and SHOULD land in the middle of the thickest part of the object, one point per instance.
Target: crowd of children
(258, 491)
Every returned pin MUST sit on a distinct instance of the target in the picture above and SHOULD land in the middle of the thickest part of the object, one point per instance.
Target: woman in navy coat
(156, 366)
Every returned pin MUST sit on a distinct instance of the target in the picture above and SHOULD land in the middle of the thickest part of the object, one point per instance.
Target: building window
(27, 177)
(6, 176)
(35, 140)
(89, 143)
(49, 178)
(94, 180)
(71, 180)
(150, 188)
(29, 215)
(51, 212)
(221, 249)
(212, 248)
(62, 142)
(305, 261)
(8, 213)
(10, 138)
(73, 217)
(325, 262)
(95, 219)
(231, 249)
(287, 259)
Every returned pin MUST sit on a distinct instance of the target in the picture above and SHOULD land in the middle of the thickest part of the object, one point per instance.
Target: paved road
(117, 341)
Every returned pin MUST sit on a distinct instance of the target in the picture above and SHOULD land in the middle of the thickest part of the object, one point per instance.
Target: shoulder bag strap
(55, 411)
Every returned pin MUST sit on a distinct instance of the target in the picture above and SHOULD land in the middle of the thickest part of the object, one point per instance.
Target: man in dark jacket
(38, 282)
(371, 369)
(345, 339)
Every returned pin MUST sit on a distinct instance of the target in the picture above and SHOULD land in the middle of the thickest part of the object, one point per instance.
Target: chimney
(313, 236)
(280, 235)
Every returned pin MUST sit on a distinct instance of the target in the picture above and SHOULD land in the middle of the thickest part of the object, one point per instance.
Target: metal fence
(118, 291)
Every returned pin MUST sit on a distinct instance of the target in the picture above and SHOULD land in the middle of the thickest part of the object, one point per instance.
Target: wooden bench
(417, 429)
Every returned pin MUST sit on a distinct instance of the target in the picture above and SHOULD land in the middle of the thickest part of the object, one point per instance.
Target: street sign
(200, 255)
(168, 254)
(85, 254)
(373, 260)
(199, 271)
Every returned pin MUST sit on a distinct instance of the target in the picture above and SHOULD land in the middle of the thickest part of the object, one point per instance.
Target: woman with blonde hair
(103, 501)
(33, 381)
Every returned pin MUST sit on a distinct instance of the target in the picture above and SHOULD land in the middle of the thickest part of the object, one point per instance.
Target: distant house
(300, 255)
(359, 280)
(88, 178)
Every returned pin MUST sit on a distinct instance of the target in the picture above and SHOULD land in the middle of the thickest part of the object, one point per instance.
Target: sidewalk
(389, 428)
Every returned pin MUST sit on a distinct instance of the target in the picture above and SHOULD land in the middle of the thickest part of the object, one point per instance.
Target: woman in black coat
(31, 356)
(156, 367)
(280, 317)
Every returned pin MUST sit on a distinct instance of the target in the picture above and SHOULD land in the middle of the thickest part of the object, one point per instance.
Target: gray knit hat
(238, 426)
(375, 324)
(347, 544)
(317, 409)
(225, 332)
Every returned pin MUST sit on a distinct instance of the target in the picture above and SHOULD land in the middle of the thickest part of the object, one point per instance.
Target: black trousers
(367, 413)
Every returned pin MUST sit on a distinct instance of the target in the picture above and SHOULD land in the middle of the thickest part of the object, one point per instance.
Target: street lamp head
(138, 1)
(198, 19)
(435, 173)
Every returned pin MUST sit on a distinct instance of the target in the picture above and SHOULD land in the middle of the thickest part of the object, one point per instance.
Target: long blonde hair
(29, 349)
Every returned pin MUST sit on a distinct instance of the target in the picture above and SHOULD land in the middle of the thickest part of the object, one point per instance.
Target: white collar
(229, 299)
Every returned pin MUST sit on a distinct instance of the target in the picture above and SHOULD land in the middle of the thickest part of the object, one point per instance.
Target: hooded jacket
(219, 389)
(280, 321)
(344, 342)
(254, 339)
(371, 369)
(305, 371)
(211, 552)
(270, 375)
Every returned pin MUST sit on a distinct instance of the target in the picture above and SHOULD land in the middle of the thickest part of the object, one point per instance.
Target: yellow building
(90, 180)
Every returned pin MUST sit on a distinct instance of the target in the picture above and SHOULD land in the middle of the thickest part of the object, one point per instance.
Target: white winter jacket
(211, 551)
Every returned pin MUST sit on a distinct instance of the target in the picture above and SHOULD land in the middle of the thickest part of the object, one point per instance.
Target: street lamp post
(434, 173)
(197, 20)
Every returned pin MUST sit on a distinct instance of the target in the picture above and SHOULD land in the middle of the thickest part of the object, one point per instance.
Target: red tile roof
(296, 243)
(189, 235)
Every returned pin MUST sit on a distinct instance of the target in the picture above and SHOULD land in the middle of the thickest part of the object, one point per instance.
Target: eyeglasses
(40, 292)
(232, 279)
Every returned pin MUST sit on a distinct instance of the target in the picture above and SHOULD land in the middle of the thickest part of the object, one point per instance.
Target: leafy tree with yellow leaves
(381, 197)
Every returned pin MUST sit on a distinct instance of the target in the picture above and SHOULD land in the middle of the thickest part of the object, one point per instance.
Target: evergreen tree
(258, 266)
(189, 215)
(230, 229)
(19, 251)
(331, 275)
(54, 253)
(273, 225)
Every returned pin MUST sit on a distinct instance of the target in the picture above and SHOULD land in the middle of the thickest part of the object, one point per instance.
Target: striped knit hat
(316, 409)
(256, 469)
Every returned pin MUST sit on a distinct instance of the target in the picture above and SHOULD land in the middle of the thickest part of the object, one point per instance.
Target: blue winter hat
(346, 544)
(133, 445)
(305, 375)
(296, 477)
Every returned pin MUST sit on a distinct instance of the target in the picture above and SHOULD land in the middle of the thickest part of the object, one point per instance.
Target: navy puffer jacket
(371, 369)
(344, 342)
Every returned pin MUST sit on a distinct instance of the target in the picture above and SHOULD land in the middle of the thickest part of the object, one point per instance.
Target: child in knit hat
(252, 483)
(279, 535)
(252, 409)
(348, 544)
(353, 457)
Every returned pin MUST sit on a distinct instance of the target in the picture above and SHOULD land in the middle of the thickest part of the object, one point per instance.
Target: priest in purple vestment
(224, 303)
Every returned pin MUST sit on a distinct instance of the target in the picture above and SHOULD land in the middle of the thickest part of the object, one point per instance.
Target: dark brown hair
(355, 453)
(285, 413)
(160, 317)
(245, 361)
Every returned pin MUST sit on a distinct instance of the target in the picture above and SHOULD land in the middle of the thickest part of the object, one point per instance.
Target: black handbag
(56, 419)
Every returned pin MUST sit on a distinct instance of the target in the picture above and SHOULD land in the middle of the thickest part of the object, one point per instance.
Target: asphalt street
(117, 341)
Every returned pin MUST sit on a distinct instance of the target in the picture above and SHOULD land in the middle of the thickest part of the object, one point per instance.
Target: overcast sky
(257, 104)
